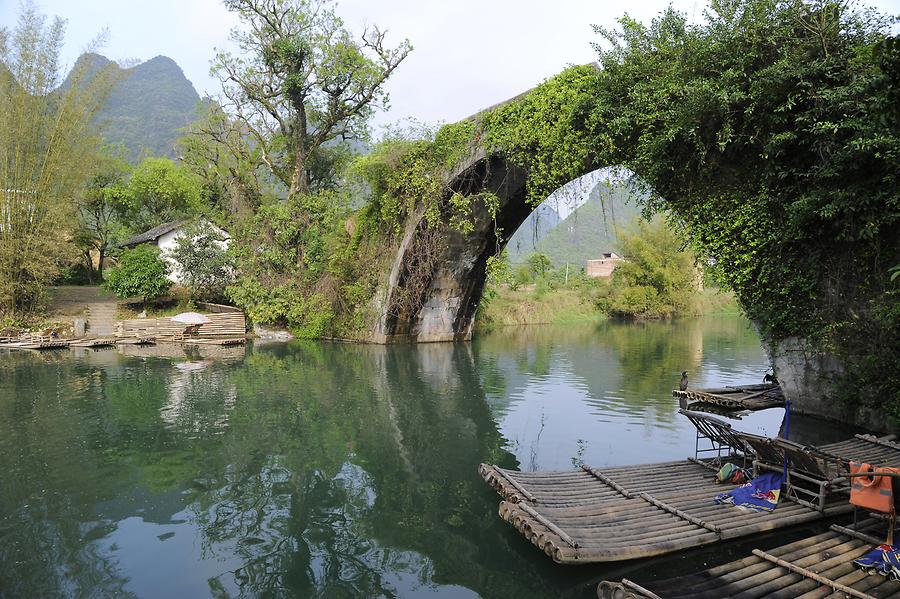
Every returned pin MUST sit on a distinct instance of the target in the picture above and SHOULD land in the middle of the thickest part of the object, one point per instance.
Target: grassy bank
(529, 306)
(715, 301)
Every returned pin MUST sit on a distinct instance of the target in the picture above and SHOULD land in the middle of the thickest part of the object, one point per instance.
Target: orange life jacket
(873, 492)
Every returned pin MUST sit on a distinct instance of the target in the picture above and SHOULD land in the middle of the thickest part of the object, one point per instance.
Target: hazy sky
(467, 54)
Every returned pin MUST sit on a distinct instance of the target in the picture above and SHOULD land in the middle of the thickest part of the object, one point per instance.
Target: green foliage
(547, 131)
(203, 261)
(160, 191)
(140, 272)
(403, 175)
(538, 264)
(99, 210)
(657, 278)
(46, 149)
(302, 83)
(297, 266)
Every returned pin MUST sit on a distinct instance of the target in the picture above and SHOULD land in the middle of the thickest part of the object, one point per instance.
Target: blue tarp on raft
(760, 494)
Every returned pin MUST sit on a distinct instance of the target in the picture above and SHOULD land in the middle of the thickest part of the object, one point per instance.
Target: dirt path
(92, 303)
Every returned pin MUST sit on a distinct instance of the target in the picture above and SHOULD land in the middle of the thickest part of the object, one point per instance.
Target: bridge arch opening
(435, 287)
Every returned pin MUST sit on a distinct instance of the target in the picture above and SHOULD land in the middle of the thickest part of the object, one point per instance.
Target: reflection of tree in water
(314, 470)
(53, 476)
(377, 491)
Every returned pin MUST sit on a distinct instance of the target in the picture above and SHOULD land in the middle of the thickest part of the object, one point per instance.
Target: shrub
(205, 266)
(658, 278)
(141, 271)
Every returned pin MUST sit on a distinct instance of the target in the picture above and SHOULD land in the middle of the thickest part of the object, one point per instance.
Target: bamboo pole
(856, 534)
(516, 485)
(680, 514)
(638, 588)
(812, 575)
(559, 532)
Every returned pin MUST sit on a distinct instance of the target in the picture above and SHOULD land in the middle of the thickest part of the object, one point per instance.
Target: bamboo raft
(819, 566)
(38, 344)
(225, 324)
(136, 340)
(98, 342)
(744, 397)
(227, 341)
(631, 512)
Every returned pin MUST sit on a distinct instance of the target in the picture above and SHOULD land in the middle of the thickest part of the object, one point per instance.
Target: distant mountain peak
(148, 107)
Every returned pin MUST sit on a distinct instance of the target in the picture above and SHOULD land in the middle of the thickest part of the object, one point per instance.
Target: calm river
(319, 470)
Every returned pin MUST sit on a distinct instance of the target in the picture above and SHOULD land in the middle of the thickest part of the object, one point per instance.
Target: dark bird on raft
(770, 378)
(684, 381)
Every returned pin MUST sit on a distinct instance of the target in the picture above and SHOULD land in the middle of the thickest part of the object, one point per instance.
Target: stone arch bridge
(443, 307)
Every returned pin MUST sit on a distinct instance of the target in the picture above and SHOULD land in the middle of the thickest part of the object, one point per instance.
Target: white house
(165, 236)
(604, 266)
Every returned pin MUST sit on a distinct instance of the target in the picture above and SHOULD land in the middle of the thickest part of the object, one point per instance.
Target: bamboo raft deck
(818, 566)
(223, 324)
(98, 342)
(37, 344)
(136, 340)
(743, 397)
(630, 512)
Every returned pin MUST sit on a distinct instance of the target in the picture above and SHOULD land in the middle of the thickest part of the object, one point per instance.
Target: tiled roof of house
(152, 235)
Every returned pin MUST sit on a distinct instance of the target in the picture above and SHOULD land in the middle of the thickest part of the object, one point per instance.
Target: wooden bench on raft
(818, 566)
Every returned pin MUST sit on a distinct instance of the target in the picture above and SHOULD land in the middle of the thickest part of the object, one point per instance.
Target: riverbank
(528, 305)
(533, 305)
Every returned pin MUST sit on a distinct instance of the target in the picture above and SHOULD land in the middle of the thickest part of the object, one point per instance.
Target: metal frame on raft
(718, 434)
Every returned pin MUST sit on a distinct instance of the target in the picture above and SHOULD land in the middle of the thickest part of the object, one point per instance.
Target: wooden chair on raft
(812, 474)
(715, 436)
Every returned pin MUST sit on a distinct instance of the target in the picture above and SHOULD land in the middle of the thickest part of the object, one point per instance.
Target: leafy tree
(216, 149)
(46, 148)
(99, 208)
(202, 260)
(539, 264)
(160, 191)
(302, 82)
(657, 278)
(284, 257)
(141, 272)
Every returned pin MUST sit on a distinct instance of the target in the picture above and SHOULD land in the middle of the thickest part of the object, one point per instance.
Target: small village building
(165, 236)
(602, 268)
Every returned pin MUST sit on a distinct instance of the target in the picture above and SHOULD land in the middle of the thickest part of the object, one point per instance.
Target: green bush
(206, 267)
(141, 271)
(658, 277)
